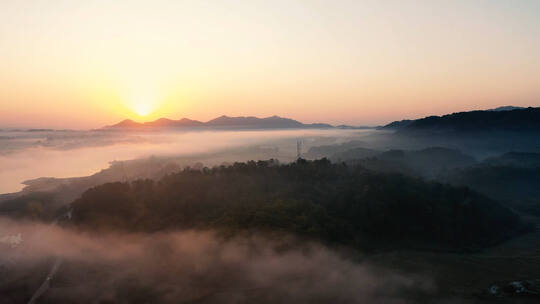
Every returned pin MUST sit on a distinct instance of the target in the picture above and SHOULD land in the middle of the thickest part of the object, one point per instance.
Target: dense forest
(511, 178)
(335, 203)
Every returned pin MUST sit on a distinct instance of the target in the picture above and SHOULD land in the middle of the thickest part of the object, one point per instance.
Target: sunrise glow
(86, 64)
(269, 151)
(142, 108)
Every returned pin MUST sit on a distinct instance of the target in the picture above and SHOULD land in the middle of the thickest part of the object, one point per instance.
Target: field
(468, 277)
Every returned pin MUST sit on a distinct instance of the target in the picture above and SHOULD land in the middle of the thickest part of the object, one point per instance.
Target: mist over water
(28, 155)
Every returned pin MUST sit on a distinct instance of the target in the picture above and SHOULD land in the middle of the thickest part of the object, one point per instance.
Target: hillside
(516, 159)
(514, 185)
(521, 120)
(333, 203)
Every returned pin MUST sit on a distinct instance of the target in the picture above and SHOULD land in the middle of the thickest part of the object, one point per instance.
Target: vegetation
(34, 205)
(513, 185)
(335, 203)
(526, 119)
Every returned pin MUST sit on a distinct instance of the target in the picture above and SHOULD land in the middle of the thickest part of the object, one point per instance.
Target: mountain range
(226, 122)
(506, 118)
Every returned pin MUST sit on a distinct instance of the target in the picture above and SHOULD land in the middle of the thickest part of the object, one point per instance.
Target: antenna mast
(298, 149)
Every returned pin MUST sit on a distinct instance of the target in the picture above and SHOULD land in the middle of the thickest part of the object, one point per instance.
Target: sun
(142, 109)
(142, 101)
(143, 106)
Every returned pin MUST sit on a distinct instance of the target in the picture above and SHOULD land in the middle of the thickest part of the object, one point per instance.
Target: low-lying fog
(26, 155)
(194, 267)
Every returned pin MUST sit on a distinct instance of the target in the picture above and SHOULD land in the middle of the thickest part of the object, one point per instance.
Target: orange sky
(85, 64)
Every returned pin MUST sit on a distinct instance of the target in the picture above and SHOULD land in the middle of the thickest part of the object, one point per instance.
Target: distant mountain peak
(224, 122)
(506, 108)
(126, 123)
(188, 120)
(163, 119)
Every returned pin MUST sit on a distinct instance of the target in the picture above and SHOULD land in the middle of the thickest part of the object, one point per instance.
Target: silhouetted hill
(224, 122)
(127, 123)
(397, 124)
(273, 122)
(167, 123)
(520, 120)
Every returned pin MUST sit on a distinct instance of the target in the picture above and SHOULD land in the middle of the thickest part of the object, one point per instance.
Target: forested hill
(522, 120)
(334, 203)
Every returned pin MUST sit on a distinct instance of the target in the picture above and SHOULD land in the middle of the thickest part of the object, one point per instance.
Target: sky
(85, 64)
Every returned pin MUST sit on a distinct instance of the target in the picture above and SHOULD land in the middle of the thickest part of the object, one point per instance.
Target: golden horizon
(81, 65)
